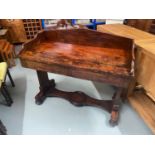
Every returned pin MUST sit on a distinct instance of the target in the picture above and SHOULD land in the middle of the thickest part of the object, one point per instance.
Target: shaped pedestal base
(47, 89)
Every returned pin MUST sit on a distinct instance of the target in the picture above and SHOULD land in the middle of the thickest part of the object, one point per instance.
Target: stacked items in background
(16, 32)
(50, 22)
(21, 30)
(147, 25)
(7, 52)
(32, 27)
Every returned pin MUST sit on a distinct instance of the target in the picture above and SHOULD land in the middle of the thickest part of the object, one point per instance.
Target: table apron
(118, 81)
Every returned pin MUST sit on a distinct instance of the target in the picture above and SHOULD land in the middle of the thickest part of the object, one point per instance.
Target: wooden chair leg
(3, 130)
(11, 80)
(6, 95)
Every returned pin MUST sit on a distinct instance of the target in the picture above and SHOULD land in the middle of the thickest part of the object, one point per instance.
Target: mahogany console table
(85, 54)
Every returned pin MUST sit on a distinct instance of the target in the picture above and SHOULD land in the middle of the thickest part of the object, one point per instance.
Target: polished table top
(98, 59)
(110, 54)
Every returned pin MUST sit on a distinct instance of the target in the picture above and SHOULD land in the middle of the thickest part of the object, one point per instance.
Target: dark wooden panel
(142, 24)
(88, 38)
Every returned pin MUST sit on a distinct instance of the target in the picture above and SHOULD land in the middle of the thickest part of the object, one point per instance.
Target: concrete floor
(58, 116)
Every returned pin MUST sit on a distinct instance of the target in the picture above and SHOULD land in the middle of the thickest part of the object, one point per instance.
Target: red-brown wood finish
(84, 54)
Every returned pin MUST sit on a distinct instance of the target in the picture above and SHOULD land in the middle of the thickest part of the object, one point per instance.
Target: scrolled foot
(113, 123)
(39, 99)
(114, 118)
(39, 102)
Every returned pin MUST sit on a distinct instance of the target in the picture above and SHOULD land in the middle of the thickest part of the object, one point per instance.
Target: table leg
(124, 94)
(47, 89)
(116, 106)
(45, 85)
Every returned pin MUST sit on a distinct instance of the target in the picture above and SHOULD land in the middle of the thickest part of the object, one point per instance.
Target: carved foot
(115, 113)
(41, 96)
(114, 118)
(116, 106)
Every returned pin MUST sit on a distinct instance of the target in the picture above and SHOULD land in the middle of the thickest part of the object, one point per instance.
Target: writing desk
(84, 54)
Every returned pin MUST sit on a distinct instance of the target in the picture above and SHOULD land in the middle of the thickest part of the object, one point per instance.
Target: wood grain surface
(141, 38)
(81, 50)
(145, 62)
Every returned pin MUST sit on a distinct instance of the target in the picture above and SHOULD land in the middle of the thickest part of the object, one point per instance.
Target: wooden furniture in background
(145, 108)
(84, 54)
(21, 30)
(142, 24)
(4, 34)
(152, 27)
(16, 30)
(32, 27)
(7, 52)
(145, 69)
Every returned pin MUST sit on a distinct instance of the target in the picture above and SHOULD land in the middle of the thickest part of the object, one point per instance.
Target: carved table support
(47, 89)
(116, 106)
(45, 85)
